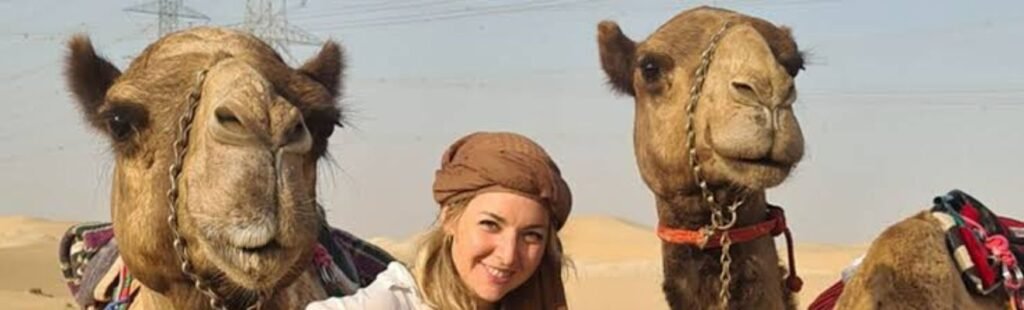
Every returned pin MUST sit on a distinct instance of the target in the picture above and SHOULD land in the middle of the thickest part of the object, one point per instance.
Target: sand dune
(16, 231)
(29, 266)
(617, 264)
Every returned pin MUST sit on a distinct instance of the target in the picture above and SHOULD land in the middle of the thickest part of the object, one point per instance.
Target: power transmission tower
(169, 13)
(271, 26)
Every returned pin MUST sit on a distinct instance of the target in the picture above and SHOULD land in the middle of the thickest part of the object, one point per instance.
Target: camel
(909, 266)
(714, 121)
(216, 143)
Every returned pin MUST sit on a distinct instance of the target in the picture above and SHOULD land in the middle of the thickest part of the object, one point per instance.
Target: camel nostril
(744, 89)
(296, 133)
(228, 119)
(790, 95)
(296, 138)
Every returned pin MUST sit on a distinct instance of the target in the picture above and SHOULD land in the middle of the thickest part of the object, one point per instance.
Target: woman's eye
(533, 237)
(489, 225)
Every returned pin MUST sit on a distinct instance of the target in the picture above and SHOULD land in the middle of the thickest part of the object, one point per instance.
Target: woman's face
(498, 242)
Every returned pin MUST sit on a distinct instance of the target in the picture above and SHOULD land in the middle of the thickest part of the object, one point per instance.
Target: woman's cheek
(534, 253)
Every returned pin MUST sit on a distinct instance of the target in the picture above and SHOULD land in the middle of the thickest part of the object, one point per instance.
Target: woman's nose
(507, 249)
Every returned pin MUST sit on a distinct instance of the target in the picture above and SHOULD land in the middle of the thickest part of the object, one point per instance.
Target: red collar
(774, 225)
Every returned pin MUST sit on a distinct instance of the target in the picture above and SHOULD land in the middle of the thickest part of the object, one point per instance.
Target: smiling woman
(495, 244)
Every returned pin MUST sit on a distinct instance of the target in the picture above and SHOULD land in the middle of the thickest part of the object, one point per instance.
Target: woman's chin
(488, 291)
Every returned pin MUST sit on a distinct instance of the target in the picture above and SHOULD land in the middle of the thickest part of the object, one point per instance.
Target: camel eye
(650, 70)
(123, 120)
(119, 126)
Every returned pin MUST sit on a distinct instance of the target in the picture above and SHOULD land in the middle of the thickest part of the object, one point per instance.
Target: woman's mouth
(498, 275)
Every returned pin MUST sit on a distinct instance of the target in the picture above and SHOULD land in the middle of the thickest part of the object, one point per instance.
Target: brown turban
(506, 162)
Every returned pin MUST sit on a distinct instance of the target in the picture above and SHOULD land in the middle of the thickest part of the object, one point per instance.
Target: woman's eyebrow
(501, 220)
(536, 226)
(495, 217)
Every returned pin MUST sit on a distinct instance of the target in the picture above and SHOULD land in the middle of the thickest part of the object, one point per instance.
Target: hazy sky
(901, 101)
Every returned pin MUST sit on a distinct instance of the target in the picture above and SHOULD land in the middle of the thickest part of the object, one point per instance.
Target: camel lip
(770, 166)
(245, 256)
(249, 235)
(251, 268)
(763, 162)
(755, 174)
(267, 247)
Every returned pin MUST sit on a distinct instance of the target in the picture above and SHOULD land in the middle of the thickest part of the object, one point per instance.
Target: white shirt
(394, 288)
(850, 270)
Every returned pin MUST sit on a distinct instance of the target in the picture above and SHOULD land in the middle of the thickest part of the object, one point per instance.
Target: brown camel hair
(747, 140)
(909, 267)
(247, 208)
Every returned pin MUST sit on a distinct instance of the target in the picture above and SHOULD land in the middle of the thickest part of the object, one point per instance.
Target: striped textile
(78, 246)
(970, 227)
(88, 254)
(828, 298)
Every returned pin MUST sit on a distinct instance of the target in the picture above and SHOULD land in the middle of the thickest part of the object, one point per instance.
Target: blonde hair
(440, 286)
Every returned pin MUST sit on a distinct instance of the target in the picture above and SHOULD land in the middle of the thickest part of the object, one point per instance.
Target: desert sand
(616, 264)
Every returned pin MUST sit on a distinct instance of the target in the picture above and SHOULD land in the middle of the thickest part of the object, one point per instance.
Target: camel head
(247, 204)
(747, 136)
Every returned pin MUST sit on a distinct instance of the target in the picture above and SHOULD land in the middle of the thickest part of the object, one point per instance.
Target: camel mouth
(254, 261)
(247, 257)
(758, 174)
(253, 267)
(258, 250)
(247, 247)
(763, 162)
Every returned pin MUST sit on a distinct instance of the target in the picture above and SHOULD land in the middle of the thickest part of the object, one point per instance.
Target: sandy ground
(29, 270)
(617, 265)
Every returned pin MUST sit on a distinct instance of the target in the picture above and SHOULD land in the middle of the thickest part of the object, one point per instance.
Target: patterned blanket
(89, 258)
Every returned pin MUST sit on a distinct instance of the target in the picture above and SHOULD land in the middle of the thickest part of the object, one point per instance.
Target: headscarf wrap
(507, 162)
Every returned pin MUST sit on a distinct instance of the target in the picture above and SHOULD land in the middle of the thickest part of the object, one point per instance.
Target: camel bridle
(722, 218)
(180, 150)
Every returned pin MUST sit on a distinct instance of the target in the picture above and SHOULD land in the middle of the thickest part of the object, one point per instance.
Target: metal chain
(180, 149)
(725, 276)
(722, 219)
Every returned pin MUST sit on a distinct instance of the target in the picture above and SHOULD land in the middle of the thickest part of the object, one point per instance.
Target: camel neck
(690, 211)
(692, 274)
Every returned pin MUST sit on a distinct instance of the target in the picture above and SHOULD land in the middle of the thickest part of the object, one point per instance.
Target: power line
(169, 14)
(449, 15)
(368, 4)
(482, 7)
(28, 36)
(371, 7)
(376, 9)
(272, 26)
(1002, 97)
(736, 4)
(918, 93)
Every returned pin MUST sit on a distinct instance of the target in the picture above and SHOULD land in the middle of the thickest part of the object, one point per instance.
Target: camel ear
(327, 67)
(89, 76)
(617, 56)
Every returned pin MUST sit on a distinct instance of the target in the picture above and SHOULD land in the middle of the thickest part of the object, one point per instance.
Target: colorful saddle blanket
(987, 249)
(90, 261)
(984, 246)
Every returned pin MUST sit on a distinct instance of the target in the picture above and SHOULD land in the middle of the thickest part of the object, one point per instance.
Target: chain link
(180, 150)
(722, 219)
